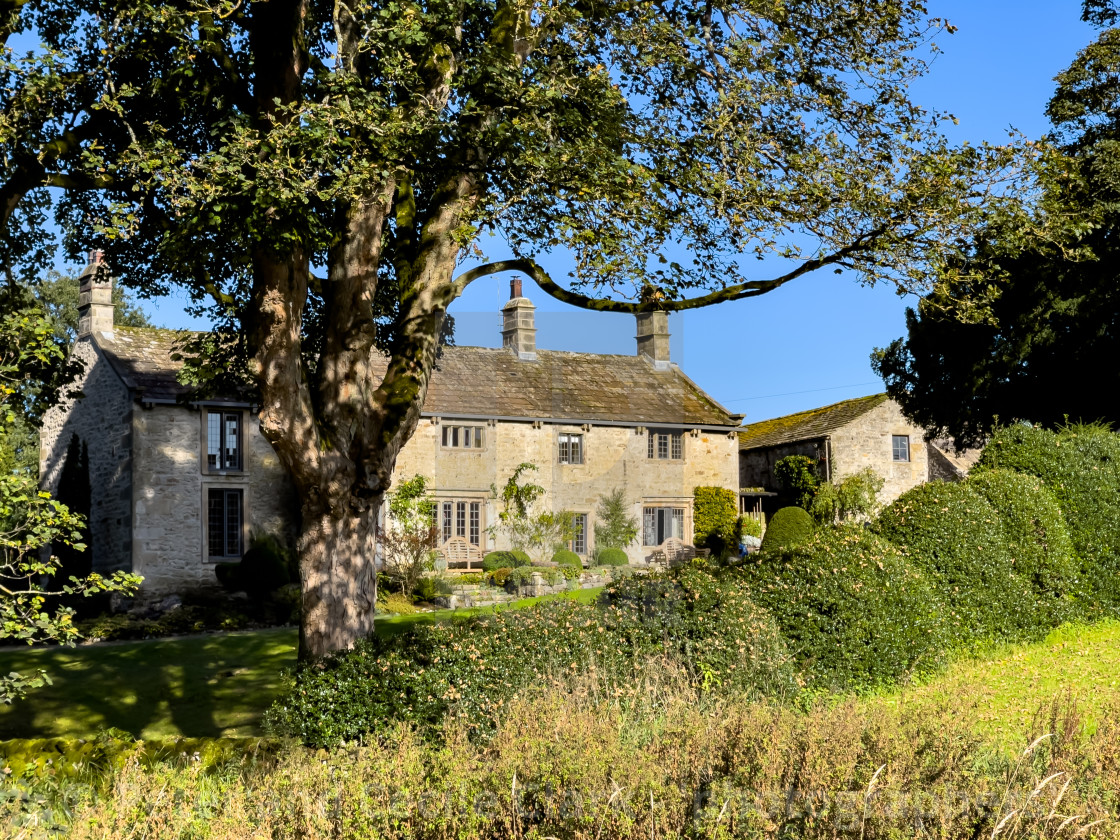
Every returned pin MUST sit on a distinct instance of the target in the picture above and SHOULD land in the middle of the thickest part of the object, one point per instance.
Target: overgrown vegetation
(853, 498)
(797, 480)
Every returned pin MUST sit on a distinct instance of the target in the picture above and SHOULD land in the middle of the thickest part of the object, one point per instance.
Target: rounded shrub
(851, 607)
(613, 557)
(522, 557)
(504, 560)
(951, 534)
(1080, 464)
(563, 557)
(788, 527)
(1037, 537)
(471, 669)
(264, 568)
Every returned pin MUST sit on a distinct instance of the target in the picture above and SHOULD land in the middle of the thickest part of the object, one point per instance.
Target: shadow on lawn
(164, 687)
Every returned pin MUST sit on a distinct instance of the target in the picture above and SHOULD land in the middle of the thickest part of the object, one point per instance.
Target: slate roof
(483, 382)
(141, 356)
(806, 425)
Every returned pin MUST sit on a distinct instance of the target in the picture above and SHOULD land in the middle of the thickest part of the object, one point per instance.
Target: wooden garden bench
(461, 556)
(673, 552)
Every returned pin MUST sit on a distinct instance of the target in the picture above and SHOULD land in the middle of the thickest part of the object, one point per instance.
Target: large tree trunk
(336, 550)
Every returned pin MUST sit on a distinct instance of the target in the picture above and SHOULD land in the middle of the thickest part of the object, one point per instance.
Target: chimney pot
(519, 331)
(95, 297)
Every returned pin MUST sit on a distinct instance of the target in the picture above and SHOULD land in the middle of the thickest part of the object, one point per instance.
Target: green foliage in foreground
(852, 610)
(1037, 538)
(953, 535)
(788, 527)
(471, 671)
(1080, 464)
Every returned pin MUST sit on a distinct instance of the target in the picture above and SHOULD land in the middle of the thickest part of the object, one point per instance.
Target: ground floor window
(661, 523)
(579, 540)
(225, 517)
(461, 519)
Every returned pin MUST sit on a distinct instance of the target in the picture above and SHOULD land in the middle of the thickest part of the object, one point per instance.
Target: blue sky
(807, 344)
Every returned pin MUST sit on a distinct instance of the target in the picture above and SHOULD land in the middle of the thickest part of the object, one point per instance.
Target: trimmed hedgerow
(471, 670)
(504, 560)
(788, 527)
(1081, 466)
(1037, 538)
(612, 557)
(567, 558)
(951, 534)
(851, 608)
(715, 519)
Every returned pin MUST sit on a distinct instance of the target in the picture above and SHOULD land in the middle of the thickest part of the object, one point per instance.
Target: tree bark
(337, 575)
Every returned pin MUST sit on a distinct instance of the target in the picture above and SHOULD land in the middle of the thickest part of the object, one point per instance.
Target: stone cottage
(841, 439)
(181, 483)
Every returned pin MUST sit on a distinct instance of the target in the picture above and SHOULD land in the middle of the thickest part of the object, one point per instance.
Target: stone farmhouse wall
(866, 442)
(614, 457)
(169, 522)
(102, 418)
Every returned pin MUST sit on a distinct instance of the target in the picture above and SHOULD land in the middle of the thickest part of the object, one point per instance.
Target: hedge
(1080, 464)
(1037, 538)
(787, 528)
(950, 533)
(471, 669)
(715, 519)
(850, 606)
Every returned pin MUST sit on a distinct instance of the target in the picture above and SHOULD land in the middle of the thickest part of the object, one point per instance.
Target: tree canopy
(1026, 326)
(316, 173)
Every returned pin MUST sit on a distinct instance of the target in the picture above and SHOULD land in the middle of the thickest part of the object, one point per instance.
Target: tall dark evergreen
(74, 491)
(1028, 327)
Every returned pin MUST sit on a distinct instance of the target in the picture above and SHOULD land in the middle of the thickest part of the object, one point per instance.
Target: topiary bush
(850, 606)
(504, 560)
(470, 669)
(563, 557)
(264, 568)
(1037, 537)
(715, 518)
(612, 557)
(1080, 464)
(522, 557)
(951, 534)
(788, 527)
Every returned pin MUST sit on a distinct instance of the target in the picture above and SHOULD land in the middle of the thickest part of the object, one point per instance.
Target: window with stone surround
(461, 518)
(571, 449)
(666, 445)
(224, 441)
(462, 437)
(661, 523)
(900, 447)
(225, 521)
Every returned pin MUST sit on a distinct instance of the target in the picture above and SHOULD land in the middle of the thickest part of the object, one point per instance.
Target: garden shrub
(504, 560)
(264, 568)
(788, 527)
(612, 557)
(430, 587)
(1037, 537)
(472, 669)
(498, 577)
(1080, 464)
(797, 480)
(749, 527)
(851, 608)
(563, 557)
(715, 518)
(522, 557)
(953, 535)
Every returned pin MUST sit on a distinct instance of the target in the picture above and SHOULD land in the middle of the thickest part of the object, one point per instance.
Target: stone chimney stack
(95, 297)
(653, 336)
(518, 329)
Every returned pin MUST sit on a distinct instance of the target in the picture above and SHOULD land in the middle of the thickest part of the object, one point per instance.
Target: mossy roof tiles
(482, 382)
(807, 425)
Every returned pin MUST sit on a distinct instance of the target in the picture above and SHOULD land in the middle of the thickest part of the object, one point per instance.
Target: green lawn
(198, 686)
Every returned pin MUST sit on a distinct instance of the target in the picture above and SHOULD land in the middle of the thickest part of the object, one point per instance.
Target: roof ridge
(813, 422)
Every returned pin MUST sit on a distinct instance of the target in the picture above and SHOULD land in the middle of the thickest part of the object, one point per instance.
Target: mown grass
(195, 686)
